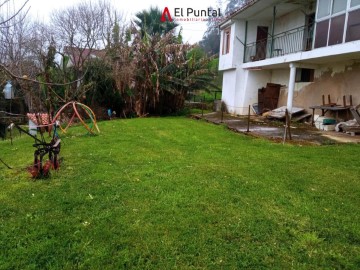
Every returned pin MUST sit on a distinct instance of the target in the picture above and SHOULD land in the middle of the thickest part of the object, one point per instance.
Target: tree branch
(38, 82)
(13, 16)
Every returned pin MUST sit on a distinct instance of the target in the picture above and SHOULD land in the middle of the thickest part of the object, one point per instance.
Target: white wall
(252, 29)
(236, 53)
(256, 80)
(229, 88)
(289, 21)
(248, 84)
(334, 79)
(280, 76)
(226, 60)
(239, 39)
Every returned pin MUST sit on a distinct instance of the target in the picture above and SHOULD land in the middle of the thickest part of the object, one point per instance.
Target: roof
(239, 10)
(79, 55)
(263, 9)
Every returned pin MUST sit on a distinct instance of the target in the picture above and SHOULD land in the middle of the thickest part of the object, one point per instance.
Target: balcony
(291, 41)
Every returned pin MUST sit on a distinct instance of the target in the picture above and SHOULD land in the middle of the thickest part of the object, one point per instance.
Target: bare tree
(84, 28)
(15, 36)
(8, 12)
(14, 33)
(15, 39)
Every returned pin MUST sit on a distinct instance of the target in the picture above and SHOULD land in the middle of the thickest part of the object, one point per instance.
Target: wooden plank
(301, 117)
(279, 113)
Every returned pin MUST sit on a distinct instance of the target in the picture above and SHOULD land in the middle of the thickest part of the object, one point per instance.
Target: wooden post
(323, 99)
(312, 117)
(329, 100)
(344, 101)
(202, 108)
(289, 125)
(287, 131)
(351, 100)
(11, 139)
(248, 122)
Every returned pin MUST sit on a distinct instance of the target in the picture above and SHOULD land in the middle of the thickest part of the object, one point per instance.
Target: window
(304, 75)
(321, 35)
(338, 6)
(355, 3)
(353, 26)
(324, 8)
(336, 30)
(226, 41)
(336, 20)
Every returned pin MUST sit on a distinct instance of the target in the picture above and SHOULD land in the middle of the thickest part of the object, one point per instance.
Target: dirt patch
(261, 127)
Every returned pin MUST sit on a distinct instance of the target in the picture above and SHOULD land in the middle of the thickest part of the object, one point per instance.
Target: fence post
(11, 138)
(287, 126)
(202, 107)
(248, 122)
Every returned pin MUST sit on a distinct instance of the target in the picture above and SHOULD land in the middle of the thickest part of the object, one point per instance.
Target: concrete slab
(274, 130)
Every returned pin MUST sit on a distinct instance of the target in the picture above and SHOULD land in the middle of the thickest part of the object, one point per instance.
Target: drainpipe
(245, 41)
(291, 87)
(272, 33)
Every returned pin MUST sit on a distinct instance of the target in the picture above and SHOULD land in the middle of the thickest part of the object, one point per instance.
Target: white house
(309, 48)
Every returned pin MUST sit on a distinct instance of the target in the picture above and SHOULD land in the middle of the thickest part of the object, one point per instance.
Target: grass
(175, 193)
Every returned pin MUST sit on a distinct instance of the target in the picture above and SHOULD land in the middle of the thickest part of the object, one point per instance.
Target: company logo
(165, 13)
(190, 14)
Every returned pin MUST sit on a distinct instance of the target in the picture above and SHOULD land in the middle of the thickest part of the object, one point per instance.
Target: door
(261, 42)
(268, 97)
(309, 32)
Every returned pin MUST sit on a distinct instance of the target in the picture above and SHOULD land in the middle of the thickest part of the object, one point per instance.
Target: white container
(8, 91)
(329, 127)
(319, 123)
(32, 128)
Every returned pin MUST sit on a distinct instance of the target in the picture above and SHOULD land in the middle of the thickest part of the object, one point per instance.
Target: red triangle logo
(165, 13)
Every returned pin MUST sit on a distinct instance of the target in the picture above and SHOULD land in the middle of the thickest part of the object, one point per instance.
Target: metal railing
(291, 41)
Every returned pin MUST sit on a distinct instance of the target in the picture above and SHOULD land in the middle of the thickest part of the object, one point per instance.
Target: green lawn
(176, 193)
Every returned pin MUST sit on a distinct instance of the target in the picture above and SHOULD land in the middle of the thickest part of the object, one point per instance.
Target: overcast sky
(192, 31)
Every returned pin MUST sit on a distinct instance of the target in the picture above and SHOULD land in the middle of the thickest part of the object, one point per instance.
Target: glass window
(353, 26)
(321, 34)
(336, 30)
(226, 41)
(338, 6)
(304, 75)
(324, 8)
(355, 3)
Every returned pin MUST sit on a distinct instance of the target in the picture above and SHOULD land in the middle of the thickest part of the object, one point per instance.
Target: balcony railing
(291, 41)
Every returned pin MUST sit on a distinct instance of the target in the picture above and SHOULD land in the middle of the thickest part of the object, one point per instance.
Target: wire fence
(251, 114)
(208, 97)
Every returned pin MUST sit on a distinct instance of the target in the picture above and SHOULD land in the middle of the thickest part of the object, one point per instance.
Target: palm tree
(149, 22)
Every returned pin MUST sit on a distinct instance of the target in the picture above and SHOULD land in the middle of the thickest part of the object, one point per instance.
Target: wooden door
(268, 97)
(261, 42)
(309, 32)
